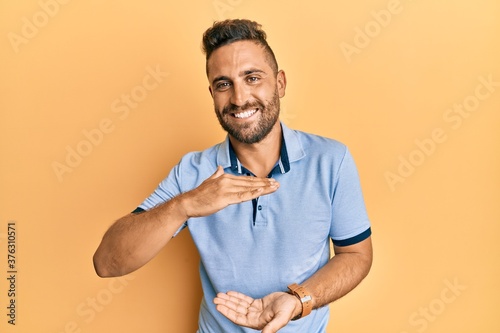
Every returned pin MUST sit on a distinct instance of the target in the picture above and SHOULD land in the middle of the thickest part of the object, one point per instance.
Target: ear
(210, 89)
(281, 83)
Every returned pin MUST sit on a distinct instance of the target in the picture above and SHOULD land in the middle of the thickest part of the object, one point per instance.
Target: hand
(221, 190)
(268, 314)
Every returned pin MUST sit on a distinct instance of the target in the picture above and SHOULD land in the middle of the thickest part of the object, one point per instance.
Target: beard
(250, 133)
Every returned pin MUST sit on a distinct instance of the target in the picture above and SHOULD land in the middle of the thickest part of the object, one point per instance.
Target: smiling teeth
(245, 114)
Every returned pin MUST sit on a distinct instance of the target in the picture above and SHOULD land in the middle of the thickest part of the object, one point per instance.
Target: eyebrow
(252, 71)
(220, 78)
(244, 73)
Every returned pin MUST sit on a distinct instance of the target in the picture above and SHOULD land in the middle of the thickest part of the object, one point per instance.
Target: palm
(269, 313)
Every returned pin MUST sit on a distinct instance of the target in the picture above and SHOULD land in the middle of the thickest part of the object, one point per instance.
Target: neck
(261, 157)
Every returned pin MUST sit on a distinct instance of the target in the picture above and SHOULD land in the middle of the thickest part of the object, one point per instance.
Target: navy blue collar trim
(283, 165)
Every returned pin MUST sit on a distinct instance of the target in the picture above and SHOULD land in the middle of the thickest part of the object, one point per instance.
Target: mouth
(245, 114)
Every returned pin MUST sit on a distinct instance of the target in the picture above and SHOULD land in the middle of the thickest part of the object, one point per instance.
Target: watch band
(304, 297)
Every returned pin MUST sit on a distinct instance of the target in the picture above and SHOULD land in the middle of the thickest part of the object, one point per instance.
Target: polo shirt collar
(291, 151)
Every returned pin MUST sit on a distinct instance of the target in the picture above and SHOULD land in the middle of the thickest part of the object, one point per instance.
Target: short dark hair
(230, 31)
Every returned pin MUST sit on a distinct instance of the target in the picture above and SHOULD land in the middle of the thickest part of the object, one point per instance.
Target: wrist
(180, 206)
(304, 299)
(297, 311)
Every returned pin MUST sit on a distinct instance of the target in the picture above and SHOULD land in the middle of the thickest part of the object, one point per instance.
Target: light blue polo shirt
(261, 246)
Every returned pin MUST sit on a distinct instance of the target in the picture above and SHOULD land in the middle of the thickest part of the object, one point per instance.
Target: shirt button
(259, 207)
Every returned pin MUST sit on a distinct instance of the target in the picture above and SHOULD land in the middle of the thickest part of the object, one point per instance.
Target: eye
(253, 79)
(222, 85)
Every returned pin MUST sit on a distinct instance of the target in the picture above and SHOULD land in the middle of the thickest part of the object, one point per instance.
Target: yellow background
(433, 227)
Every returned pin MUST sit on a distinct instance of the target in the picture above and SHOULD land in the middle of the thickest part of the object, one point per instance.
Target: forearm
(135, 239)
(338, 277)
(341, 274)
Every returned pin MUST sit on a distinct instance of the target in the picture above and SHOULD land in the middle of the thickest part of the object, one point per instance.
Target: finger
(236, 189)
(234, 295)
(231, 310)
(247, 185)
(239, 308)
(273, 187)
(239, 303)
(236, 317)
(233, 183)
(238, 314)
(251, 192)
(245, 195)
(250, 183)
(245, 178)
(240, 298)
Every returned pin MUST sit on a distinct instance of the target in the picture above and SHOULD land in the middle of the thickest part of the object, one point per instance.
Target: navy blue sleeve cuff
(353, 240)
(138, 210)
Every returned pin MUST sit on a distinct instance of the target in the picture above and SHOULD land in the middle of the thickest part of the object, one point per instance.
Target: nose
(239, 94)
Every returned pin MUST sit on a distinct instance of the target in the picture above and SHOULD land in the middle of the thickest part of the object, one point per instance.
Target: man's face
(245, 90)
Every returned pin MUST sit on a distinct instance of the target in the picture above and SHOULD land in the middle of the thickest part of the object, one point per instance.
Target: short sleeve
(166, 190)
(350, 223)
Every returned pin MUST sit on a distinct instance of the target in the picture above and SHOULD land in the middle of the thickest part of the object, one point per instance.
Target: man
(261, 206)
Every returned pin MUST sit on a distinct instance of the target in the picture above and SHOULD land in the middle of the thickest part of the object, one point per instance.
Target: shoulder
(196, 166)
(314, 144)
(199, 158)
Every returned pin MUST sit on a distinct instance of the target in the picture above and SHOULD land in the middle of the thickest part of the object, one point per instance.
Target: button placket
(261, 213)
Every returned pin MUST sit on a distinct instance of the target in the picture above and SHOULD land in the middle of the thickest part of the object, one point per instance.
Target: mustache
(231, 108)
